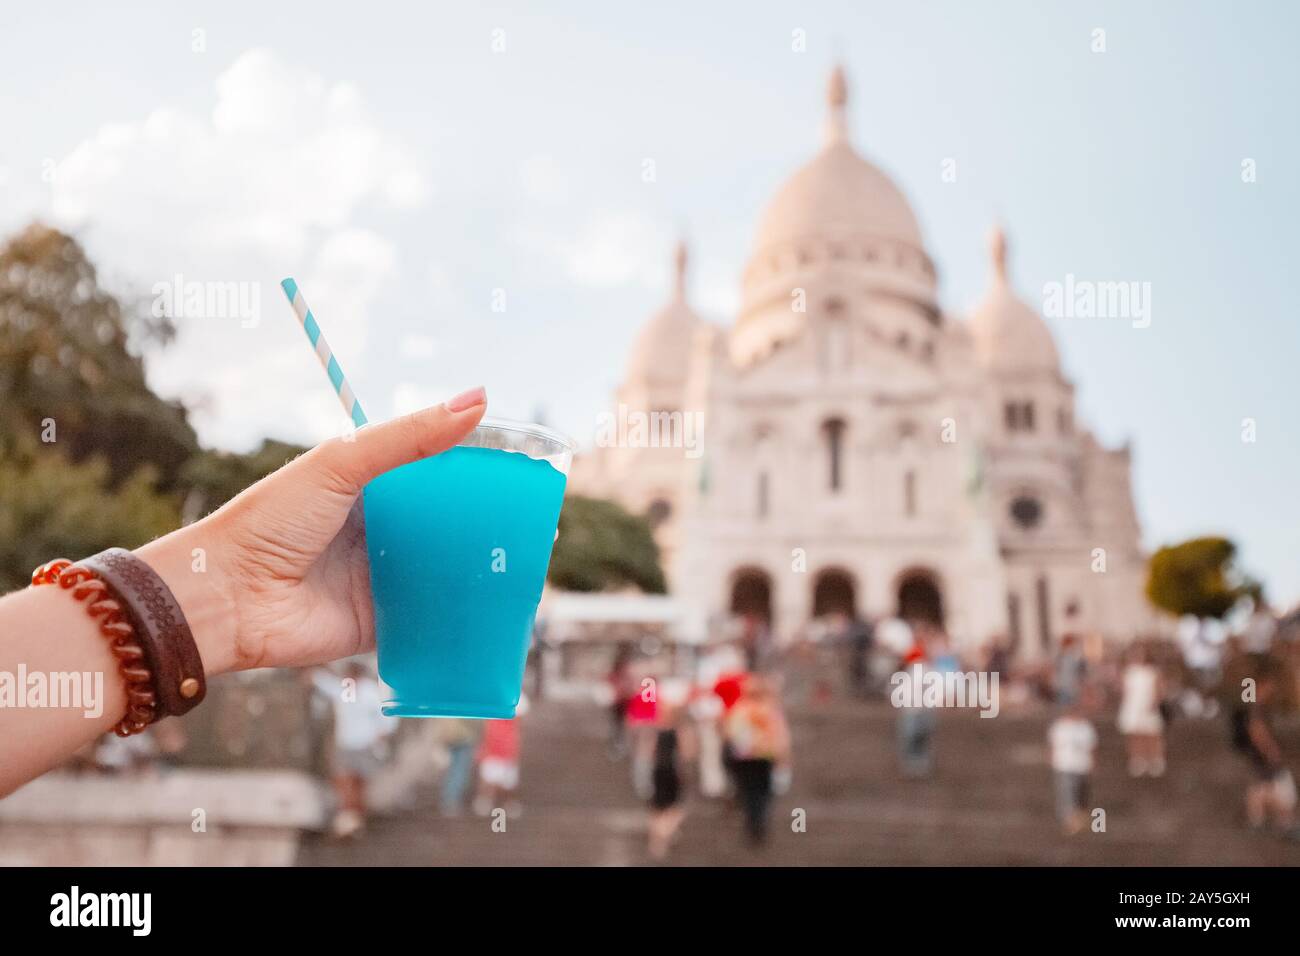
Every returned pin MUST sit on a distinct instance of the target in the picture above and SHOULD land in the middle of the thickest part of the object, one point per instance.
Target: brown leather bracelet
(146, 628)
(160, 627)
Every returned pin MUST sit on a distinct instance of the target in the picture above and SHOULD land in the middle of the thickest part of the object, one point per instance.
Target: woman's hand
(279, 576)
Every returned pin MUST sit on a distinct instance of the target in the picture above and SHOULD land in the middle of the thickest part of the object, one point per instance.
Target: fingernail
(468, 399)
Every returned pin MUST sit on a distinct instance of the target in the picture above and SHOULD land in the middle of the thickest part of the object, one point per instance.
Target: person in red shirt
(759, 738)
(729, 688)
(642, 714)
(498, 767)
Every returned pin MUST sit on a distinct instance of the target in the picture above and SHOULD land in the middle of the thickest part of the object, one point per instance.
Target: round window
(1027, 512)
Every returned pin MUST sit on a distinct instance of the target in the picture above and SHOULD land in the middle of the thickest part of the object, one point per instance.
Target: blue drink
(459, 544)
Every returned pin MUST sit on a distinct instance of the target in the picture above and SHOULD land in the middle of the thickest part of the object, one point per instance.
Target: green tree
(51, 508)
(1198, 577)
(70, 368)
(602, 547)
(212, 478)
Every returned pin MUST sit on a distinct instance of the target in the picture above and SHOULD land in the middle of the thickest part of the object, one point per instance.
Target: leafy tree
(69, 363)
(51, 507)
(602, 547)
(90, 457)
(214, 477)
(1198, 577)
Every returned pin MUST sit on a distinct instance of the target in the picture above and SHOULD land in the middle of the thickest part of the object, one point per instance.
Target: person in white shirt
(359, 726)
(1140, 718)
(1073, 742)
(1260, 630)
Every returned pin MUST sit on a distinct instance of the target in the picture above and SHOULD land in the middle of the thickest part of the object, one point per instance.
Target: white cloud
(271, 183)
(419, 346)
(350, 269)
(439, 280)
(543, 180)
(282, 154)
(615, 248)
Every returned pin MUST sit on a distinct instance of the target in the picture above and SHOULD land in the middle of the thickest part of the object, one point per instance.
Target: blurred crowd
(711, 725)
(719, 723)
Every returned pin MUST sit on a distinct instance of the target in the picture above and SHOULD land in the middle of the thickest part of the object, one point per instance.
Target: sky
(460, 191)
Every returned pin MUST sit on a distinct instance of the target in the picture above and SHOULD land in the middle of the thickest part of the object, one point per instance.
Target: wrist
(193, 572)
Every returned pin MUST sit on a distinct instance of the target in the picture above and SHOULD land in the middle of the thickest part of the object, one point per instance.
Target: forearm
(45, 634)
(60, 685)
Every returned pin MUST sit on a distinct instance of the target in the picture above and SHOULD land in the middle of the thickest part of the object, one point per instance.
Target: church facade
(862, 450)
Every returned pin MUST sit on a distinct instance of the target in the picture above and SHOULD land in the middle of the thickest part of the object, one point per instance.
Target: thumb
(346, 464)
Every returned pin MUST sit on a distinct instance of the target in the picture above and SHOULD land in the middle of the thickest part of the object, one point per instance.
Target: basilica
(863, 450)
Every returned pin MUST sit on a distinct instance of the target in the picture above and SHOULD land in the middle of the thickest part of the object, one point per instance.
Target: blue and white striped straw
(350, 404)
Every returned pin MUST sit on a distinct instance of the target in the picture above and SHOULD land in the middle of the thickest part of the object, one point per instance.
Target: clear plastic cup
(459, 545)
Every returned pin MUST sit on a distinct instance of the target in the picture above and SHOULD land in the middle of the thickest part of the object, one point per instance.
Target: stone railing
(173, 818)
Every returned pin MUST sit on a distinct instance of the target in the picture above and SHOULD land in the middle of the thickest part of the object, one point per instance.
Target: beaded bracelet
(114, 624)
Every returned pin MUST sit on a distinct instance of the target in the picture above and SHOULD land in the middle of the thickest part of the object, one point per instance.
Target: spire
(837, 98)
(679, 276)
(998, 252)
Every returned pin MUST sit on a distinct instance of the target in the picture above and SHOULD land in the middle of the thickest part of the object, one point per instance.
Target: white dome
(838, 194)
(662, 351)
(1009, 335)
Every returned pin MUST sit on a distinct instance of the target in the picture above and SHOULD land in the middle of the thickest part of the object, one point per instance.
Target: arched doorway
(834, 592)
(751, 593)
(919, 597)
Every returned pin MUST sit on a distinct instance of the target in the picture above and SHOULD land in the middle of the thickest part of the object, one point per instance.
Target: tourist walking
(1069, 671)
(1073, 743)
(359, 729)
(1271, 793)
(674, 747)
(621, 689)
(498, 767)
(718, 675)
(641, 716)
(706, 711)
(853, 636)
(459, 736)
(916, 722)
(1140, 719)
(759, 741)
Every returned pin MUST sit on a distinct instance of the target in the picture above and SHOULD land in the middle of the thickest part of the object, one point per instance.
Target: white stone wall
(838, 329)
(855, 365)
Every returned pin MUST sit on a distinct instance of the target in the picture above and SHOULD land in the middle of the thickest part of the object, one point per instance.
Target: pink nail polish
(467, 399)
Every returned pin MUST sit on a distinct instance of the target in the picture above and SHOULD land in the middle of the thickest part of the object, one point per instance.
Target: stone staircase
(990, 802)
